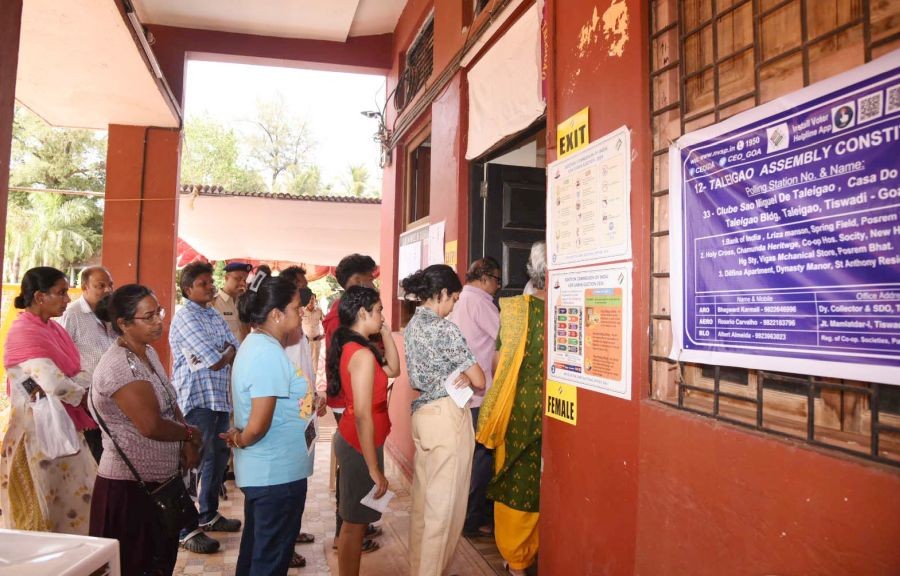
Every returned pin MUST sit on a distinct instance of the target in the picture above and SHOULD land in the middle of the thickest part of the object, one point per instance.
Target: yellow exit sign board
(562, 402)
(572, 134)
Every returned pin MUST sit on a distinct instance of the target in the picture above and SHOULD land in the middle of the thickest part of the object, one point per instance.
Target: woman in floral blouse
(442, 431)
(38, 492)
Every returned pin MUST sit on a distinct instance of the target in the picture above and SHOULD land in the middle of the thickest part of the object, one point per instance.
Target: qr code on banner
(869, 107)
(893, 99)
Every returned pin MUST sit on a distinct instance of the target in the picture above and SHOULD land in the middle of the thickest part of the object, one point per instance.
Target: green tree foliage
(46, 228)
(307, 181)
(210, 155)
(58, 158)
(356, 181)
(279, 142)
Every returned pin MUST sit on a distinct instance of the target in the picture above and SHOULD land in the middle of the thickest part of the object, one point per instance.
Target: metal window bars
(698, 30)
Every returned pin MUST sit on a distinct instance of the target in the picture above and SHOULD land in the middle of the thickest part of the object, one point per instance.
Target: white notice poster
(589, 321)
(588, 202)
(436, 243)
(410, 260)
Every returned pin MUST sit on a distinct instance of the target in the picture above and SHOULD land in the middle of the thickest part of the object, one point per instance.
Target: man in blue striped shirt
(203, 348)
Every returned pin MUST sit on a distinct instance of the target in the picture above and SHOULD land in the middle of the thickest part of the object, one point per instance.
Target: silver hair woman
(536, 268)
(510, 419)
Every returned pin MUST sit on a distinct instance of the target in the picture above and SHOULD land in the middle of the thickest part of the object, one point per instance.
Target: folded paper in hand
(381, 504)
(194, 362)
(459, 395)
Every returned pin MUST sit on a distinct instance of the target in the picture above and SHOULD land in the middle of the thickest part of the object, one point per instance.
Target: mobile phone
(32, 388)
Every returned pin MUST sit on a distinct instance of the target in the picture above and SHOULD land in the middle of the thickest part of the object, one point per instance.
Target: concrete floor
(473, 558)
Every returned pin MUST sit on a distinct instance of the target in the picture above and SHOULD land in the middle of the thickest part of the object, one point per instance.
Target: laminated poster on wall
(588, 200)
(412, 254)
(785, 232)
(589, 328)
(436, 243)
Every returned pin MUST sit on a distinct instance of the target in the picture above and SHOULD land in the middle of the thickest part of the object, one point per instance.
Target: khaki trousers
(444, 440)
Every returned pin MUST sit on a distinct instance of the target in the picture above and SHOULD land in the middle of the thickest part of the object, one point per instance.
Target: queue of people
(244, 384)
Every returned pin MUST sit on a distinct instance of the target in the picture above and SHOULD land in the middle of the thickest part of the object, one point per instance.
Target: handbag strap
(132, 359)
(125, 459)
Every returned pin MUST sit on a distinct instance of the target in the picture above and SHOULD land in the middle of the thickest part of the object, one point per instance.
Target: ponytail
(353, 300)
(343, 336)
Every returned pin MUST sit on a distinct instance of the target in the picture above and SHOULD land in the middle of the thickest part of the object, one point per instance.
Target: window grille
(710, 59)
(418, 66)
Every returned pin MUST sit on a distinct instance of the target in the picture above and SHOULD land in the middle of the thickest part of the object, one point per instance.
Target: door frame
(476, 177)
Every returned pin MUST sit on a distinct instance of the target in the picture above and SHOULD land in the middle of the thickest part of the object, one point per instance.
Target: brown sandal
(306, 538)
(298, 561)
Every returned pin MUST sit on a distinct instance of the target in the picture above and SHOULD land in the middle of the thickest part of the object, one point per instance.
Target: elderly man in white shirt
(92, 336)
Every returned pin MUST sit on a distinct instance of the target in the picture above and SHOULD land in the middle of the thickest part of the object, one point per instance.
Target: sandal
(367, 546)
(199, 543)
(305, 538)
(297, 561)
(373, 531)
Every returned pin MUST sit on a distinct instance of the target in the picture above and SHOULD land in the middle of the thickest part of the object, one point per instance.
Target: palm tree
(358, 180)
(49, 229)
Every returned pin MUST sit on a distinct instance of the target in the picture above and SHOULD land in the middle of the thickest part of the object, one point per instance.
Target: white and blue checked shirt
(92, 337)
(200, 334)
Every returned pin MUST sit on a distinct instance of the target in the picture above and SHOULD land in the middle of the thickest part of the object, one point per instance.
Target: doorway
(508, 206)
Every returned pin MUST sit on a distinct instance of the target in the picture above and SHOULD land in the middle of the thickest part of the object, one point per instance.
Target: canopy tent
(276, 227)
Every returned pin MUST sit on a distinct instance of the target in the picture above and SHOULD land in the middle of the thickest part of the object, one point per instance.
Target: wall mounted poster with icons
(590, 329)
(588, 204)
(785, 232)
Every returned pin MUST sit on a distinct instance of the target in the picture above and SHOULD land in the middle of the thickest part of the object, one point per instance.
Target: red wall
(638, 487)
(141, 248)
(449, 182)
(10, 24)
(400, 442)
(589, 492)
(719, 500)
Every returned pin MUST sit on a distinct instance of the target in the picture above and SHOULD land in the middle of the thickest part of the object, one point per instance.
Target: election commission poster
(588, 202)
(785, 248)
(590, 328)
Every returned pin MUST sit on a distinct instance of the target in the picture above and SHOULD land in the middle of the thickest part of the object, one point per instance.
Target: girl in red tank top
(358, 372)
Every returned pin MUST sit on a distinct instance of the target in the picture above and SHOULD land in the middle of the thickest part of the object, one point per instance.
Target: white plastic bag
(56, 435)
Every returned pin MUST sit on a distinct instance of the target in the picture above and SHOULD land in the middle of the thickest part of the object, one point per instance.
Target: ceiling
(80, 67)
(333, 20)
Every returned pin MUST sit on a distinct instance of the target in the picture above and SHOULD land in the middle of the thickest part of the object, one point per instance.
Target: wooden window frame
(414, 143)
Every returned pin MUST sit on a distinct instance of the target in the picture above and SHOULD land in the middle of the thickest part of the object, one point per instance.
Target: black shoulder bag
(174, 508)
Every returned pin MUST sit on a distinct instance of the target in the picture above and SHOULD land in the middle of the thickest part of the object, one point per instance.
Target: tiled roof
(220, 191)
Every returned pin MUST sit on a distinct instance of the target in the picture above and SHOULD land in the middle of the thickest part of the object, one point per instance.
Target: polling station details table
(785, 248)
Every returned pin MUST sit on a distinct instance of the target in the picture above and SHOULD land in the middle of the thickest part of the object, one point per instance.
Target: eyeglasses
(160, 315)
(497, 278)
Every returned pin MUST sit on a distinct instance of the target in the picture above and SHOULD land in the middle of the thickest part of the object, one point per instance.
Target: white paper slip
(381, 504)
(194, 362)
(459, 395)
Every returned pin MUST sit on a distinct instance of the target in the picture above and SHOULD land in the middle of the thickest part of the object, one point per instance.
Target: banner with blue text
(785, 232)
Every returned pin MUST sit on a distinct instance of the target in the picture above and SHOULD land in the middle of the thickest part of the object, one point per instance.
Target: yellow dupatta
(493, 417)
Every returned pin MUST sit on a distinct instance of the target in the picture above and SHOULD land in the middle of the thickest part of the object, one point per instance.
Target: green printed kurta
(517, 483)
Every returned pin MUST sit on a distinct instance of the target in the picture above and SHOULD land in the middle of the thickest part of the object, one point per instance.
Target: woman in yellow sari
(510, 420)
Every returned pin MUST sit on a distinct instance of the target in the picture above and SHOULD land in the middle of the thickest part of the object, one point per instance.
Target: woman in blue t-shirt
(273, 405)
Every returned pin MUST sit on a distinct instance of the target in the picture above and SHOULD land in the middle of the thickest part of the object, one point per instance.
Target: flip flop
(305, 538)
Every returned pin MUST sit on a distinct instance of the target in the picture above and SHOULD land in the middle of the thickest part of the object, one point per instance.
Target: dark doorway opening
(508, 206)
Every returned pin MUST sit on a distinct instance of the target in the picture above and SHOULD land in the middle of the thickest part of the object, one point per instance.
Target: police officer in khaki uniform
(225, 301)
